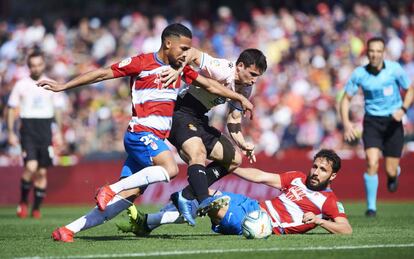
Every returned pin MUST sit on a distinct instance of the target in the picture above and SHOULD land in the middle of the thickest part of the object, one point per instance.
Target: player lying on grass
(305, 203)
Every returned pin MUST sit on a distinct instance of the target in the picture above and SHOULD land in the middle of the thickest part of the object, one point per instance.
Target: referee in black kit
(38, 109)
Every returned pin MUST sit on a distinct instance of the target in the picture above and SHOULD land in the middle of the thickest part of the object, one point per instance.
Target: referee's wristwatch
(404, 109)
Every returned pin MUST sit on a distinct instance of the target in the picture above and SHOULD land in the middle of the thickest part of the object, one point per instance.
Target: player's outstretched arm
(91, 77)
(234, 119)
(340, 225)
(259, 176)
(216, 88)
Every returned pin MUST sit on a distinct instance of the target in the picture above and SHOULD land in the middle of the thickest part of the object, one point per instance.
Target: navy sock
(25, 187)
(214, 172)
(198, 181)
(39, 194)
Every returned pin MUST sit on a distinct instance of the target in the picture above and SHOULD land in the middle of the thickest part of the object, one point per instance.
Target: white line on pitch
(222, 251)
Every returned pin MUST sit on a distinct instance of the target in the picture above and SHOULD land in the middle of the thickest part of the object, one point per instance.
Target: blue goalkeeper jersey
(381, 90)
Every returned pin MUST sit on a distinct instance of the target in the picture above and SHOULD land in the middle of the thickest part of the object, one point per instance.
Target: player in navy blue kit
(380, 81)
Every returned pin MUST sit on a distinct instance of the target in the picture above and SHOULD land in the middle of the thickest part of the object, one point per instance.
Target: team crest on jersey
(154, 146)
(215, 63)
(192, 127)
(125, 62)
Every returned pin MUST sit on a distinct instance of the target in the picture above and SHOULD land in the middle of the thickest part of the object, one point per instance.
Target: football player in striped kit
(305, 202)
(149, 158)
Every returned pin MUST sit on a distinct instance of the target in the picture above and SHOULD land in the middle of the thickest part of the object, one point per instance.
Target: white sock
(148, 175)
(96, 217)
(167, 215)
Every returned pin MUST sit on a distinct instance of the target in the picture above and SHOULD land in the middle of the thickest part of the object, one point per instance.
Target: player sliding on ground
(305, 203)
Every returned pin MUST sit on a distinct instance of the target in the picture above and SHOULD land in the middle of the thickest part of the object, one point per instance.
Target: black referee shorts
(384, 133)
(36, 141)
(42, 154)
(186, 125)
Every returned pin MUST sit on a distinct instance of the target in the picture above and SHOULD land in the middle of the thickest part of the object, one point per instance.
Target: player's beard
(318, 187)
(174, 63)
(36, 76)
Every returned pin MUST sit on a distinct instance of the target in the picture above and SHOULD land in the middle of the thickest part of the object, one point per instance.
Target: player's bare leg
(393, 171)
(225, 153)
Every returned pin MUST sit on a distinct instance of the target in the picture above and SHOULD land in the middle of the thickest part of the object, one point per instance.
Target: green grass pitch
(390, 235)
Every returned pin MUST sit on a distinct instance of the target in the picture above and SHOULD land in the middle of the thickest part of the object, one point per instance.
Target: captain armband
(234, 127)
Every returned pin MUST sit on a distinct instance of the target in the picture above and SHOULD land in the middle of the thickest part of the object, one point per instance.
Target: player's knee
(198, 156)
(372, 165)
(172, 170)
(40, 174)
(31, 167)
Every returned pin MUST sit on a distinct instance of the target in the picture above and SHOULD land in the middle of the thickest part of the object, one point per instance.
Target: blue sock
(371, 187)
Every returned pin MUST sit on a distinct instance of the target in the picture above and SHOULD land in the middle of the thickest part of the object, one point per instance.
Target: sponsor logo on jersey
(215, 63)
(192, 127)
(124, 62)
(219, 100)
(230, 64)
(341, 208)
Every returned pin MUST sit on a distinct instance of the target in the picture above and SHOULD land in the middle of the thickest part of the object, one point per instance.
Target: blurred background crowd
(311, 49)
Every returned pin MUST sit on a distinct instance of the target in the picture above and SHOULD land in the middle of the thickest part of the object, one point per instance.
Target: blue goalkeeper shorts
(141, 148)
(239, 207)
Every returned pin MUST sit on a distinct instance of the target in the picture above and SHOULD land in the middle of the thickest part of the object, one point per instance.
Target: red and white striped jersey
(152, 105)
(286, 210)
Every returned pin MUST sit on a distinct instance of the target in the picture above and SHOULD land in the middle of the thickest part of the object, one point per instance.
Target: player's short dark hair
(253, 57)
(375, 39)
(331, 156)
(176, 29)
(35, 53)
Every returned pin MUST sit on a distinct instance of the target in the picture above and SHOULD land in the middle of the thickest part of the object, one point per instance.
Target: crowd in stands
(310, 57)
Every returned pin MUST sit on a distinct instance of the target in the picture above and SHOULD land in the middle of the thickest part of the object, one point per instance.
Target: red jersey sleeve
(189, 75)
(332, 208)
(287, 178)
(127, 67)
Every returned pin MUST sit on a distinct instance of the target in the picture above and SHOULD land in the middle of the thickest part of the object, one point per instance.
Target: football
(257, 225)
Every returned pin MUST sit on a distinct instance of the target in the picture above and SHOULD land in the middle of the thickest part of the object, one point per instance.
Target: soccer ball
(257, 225)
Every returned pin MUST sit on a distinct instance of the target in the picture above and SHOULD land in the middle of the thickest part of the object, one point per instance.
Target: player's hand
(310, 218)
(51, 85)
(350, 132)
(169, 76)
(247, 106)
(398, 114)
(248, 150)
(13, 139)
